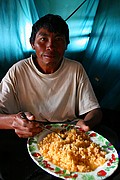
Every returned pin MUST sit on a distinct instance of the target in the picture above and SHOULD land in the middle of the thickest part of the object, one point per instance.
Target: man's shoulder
(20, 63)
(72, 62)
(19, 66)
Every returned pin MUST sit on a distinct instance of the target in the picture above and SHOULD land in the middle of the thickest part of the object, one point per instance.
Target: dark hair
(54, 23)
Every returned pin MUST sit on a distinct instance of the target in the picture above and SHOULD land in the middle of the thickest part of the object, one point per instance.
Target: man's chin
(48, 60)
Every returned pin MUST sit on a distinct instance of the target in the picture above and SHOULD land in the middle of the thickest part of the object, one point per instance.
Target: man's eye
(42, 39)
(58, 38)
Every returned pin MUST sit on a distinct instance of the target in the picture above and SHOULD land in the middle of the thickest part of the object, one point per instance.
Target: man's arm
(91, 119)
(22, 127)
(6, 121)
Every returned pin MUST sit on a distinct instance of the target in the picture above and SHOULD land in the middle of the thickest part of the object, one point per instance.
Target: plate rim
(78, 174)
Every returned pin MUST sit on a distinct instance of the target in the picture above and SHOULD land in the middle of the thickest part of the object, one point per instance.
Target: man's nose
(51, 44)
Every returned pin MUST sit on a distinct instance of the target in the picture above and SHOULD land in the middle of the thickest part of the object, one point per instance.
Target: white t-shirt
(59, 96)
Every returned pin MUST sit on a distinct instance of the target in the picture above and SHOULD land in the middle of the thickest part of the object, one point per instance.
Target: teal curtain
(16, 18)
(80, 23)
(102, 61)
(94, 37)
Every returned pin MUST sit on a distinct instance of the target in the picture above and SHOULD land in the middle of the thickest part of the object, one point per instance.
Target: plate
(102, 172)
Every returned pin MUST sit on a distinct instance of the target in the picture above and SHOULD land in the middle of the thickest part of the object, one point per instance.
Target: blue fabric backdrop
(94, 36)
(103, 55)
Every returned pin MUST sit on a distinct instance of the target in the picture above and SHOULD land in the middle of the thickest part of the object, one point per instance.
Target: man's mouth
(49, 55)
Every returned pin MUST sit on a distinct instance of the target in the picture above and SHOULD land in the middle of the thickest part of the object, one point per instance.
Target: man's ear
(33, 47)
(66, 47)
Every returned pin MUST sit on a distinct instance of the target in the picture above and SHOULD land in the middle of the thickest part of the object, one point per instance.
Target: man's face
(49, 47)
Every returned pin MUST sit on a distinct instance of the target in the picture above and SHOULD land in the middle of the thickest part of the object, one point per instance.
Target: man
(47, 86)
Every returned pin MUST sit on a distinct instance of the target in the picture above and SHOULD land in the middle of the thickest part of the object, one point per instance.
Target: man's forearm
(93, 118)
(6, 121)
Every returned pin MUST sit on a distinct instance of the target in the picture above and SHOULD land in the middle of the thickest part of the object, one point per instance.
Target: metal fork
(53, 132)
(23, 116)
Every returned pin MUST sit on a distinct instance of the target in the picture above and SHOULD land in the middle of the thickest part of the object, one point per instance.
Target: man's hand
(81, 123)
(24, 128)
(90, 120)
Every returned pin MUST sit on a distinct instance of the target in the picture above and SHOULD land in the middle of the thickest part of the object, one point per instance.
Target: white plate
(100, 173)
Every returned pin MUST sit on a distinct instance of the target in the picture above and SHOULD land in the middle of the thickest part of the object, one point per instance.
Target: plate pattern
(100, 173)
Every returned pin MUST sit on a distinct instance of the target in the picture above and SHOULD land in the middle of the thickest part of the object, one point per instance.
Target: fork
(23, 116)
(52, 131)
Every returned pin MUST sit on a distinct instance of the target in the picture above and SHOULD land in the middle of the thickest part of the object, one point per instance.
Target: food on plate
(77, 153)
